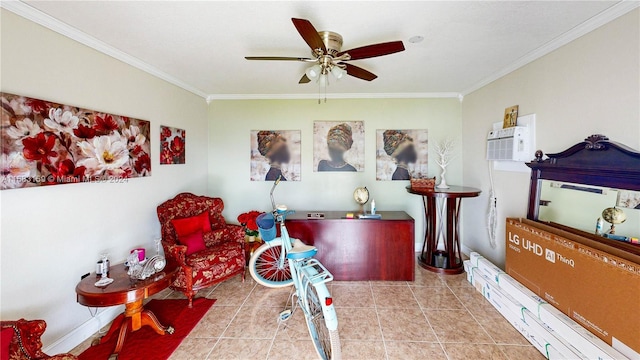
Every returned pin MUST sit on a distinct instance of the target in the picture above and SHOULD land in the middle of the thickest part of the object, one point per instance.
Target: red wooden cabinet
(359, 249)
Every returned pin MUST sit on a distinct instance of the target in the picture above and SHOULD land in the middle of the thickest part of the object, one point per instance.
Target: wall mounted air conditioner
(510, 144)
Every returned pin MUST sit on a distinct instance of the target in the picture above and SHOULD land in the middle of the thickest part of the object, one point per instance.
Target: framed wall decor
(402, 154)
(172, 145)
(45, 143)
(510, 117)
(628, 199)
(275, 153)
(338, 146)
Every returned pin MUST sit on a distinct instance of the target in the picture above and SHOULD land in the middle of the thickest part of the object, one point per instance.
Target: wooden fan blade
(374, 50)
(304, 79)
(277, 58)
(309, 34)
(360, 73)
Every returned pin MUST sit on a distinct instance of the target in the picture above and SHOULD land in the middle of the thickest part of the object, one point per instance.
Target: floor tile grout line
(473, 316)
(375, 304)
(279, 323)
(430, 326)
(230, 321)
(495, 343)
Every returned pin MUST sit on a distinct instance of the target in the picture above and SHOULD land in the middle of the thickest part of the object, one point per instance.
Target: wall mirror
(571, 189)
(579, 206)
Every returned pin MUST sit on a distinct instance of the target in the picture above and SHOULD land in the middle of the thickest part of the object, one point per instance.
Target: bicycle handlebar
(275, 183)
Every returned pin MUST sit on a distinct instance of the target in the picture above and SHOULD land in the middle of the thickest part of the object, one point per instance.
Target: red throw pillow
(192, 224)
(6, 335)
(194, 242)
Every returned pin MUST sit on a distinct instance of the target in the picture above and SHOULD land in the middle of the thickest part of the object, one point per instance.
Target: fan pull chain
(326, 84)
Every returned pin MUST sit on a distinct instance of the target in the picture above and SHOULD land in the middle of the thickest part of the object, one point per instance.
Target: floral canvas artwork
(275, 153)
(45, 143)
(402, 154)
(172, 145)
(338, 146)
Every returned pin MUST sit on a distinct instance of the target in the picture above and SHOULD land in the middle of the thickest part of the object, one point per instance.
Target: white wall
(232, 120)
(589, 86)
(52, 235)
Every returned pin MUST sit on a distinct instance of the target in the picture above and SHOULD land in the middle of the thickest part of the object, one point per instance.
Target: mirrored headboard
(570, 189)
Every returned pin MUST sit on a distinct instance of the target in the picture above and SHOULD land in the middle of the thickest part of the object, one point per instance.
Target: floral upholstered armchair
(197, 238)
(21, 340)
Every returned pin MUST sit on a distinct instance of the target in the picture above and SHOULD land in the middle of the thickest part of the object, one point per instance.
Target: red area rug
(145, 343)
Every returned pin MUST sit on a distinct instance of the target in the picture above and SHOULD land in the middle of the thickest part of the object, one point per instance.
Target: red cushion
(194, 242)
(6, 335)
(192, 224)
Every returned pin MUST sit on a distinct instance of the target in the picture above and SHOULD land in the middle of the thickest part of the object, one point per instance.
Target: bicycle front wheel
(266, 267)
(326, 342)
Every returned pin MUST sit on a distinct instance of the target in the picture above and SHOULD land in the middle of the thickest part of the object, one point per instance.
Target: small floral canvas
(172, 145)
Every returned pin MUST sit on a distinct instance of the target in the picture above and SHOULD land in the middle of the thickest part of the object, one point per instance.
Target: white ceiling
(201, 45)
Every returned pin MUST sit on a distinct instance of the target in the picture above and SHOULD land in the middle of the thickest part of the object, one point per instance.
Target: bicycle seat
(301, 250)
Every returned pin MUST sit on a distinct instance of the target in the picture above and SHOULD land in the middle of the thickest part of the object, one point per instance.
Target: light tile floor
(433, 317)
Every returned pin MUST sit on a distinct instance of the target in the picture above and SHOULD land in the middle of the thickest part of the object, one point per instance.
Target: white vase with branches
(444, 151)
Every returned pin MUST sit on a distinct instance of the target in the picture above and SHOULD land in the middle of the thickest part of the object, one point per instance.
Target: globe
(613, 216)
(361, 196)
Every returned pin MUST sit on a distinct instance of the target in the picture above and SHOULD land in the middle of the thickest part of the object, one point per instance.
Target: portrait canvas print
(172, 145)
(629, 199)
(275, 153)
(402, 154)
(338, 146)
(45, 143)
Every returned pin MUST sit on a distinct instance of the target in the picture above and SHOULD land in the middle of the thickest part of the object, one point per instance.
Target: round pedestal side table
(131, 293)
(442, 214)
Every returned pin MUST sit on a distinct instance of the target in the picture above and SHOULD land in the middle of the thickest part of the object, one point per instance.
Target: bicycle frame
(269, 268)
(303, 273)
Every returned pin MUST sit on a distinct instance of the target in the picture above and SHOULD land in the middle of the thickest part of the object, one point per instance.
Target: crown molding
(24, 10)
(595, 22)
(441, 95)
(30, 13)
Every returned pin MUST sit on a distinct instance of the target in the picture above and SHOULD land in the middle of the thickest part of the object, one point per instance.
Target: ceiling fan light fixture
(313, 72)
(323, 80)
(338, 72)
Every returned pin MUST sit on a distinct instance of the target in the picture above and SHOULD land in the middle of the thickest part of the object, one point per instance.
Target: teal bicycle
(282, 261)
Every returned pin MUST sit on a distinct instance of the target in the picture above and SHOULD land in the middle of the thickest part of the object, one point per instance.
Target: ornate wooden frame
(596, 161)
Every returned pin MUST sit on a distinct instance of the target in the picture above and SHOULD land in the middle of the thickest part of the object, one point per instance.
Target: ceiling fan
(328, 57)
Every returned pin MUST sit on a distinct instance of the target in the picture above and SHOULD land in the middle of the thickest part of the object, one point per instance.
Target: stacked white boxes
(550, 331)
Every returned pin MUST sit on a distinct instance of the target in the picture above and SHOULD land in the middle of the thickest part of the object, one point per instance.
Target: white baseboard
(465, 250)
(84, 331)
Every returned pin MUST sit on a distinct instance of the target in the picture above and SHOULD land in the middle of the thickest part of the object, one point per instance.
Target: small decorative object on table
(102, 267)
(248, 221)
(151, 266)
(361, 196)
(423, 184)
(444, 150)
(613, 216)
